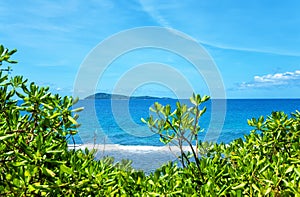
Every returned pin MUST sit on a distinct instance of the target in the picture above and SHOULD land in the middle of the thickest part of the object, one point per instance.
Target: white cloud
(151, 9)
(273, 80)
(234, 47)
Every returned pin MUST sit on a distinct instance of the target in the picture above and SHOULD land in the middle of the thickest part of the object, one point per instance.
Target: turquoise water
(115, 129)
(99, 124)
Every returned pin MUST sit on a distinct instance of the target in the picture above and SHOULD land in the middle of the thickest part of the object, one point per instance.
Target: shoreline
(111, 147)
(146, 158)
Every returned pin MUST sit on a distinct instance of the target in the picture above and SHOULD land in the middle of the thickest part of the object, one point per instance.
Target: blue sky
(254, 44)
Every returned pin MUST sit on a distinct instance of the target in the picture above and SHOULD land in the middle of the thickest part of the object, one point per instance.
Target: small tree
(180, 127)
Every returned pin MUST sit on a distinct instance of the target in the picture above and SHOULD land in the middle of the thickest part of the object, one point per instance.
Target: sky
(254, 45)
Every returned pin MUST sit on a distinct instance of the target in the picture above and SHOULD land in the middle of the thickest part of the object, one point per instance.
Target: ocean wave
(128, 148)
(146, 158)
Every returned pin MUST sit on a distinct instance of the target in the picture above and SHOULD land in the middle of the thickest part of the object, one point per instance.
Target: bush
(267, 163)
(33, 127)
(34, 155)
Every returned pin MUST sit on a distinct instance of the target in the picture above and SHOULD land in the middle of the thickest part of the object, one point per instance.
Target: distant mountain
(120, 97)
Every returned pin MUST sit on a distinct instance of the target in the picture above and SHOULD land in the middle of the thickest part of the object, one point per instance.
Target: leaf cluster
(179, 127)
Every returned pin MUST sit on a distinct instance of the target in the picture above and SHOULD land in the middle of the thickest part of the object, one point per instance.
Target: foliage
(180, 127)
(33, 127)
(266, 163)
(35, 159)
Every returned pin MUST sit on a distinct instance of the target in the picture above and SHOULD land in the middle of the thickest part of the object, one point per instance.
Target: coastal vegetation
(35, 160)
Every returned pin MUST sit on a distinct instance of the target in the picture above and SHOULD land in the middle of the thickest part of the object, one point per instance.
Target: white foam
(147, 158)
(139, 148)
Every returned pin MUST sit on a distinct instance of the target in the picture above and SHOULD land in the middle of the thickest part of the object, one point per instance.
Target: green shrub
(33, 127)
(34, 155)
(267, 163)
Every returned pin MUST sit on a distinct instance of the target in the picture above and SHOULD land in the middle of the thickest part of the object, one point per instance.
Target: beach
(146, 158)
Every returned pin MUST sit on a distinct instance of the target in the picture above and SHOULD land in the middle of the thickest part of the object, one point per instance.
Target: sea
(115, 129)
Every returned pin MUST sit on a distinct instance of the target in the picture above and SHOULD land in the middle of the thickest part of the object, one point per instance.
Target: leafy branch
(180, 127)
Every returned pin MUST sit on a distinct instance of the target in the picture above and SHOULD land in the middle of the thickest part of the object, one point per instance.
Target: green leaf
(12, 52)
(167, 110)
(2, 79)
(240, 186)
(48, 172)
(31, 188)
(1, 49)
(70, 118)
(20, 95)
(78, 109)
(5, 137)
(20, 163)
(66, 169)
(205, 98)
(12, 61)
(290, 169)
(55, 115)
(151, 182)
(268, 191)
(193, 99)
(297, 171)
(263, 169)
(27, 173)
(47, 106)
(255, 187)
(143, 120)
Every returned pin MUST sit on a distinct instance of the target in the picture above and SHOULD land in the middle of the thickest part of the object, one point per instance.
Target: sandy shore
(146, 158)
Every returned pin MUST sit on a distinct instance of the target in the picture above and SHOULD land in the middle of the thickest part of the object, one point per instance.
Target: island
(121, 97)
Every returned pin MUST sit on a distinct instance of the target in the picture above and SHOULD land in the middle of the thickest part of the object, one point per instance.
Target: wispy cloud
(273, 80)
(249, 49)
(152, 10)
(226, 31)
